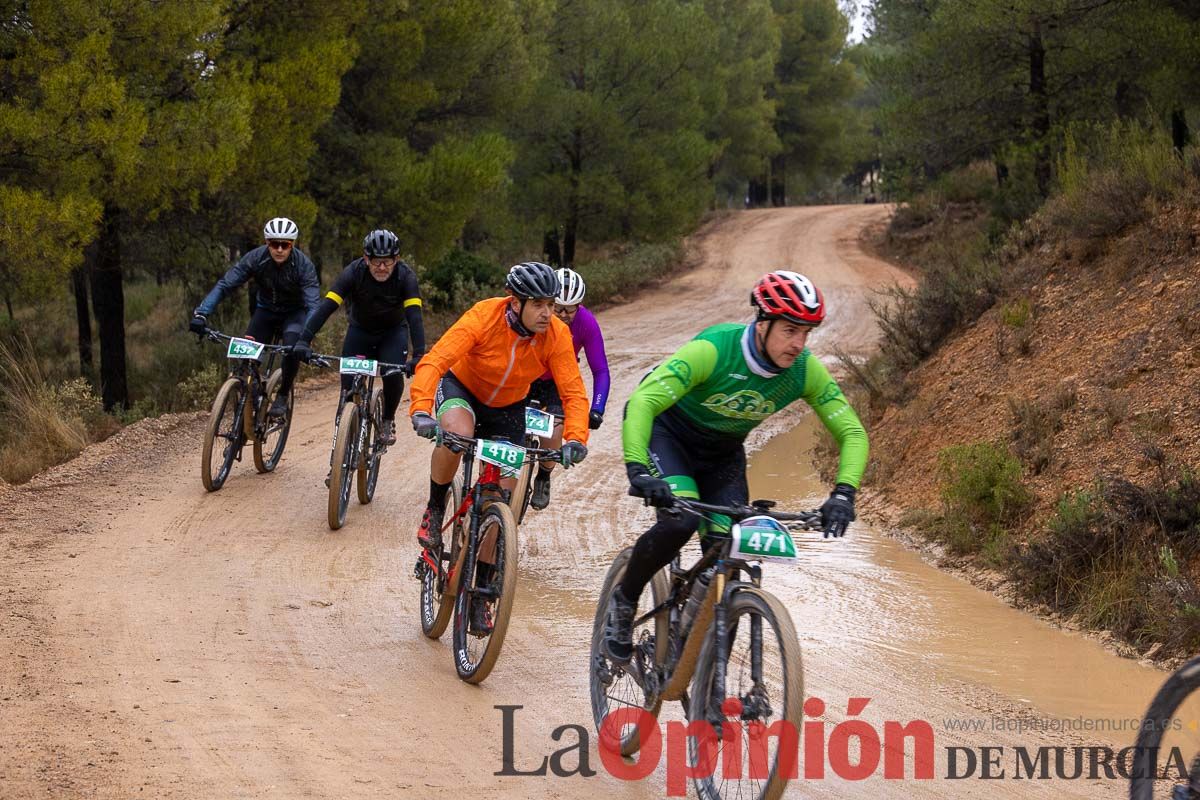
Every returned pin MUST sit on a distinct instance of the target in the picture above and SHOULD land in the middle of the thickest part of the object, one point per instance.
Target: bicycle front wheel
(476, 647)
(223, 436)
(368, 461)
(764, 674)
(439, 586)
(1167, 727)
(342, 473)
(272, 434)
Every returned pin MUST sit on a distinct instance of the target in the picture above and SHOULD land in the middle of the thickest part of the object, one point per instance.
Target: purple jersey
(585, 333)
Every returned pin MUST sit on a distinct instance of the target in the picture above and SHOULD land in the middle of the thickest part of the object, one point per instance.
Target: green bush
(460, 277)
(1108, 178)
(981, 483)
(610, 279)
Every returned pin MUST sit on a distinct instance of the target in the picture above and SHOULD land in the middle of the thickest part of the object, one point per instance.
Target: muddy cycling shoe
(387, 432)
(279, 408)
(481, 623)
(429, 535)
(541, 492)
(618, 628)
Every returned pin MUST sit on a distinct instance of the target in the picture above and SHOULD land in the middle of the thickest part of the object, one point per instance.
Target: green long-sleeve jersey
(712, 382)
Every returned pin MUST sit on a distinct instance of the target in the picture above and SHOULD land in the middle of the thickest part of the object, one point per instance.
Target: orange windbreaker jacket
(497, 366)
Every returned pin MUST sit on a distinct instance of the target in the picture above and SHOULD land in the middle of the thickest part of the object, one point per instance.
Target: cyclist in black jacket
(288, 290)
(385, 309)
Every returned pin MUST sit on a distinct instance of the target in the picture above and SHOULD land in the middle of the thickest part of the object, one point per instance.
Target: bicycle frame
(250, 373)
(472, 505)
(725, 582)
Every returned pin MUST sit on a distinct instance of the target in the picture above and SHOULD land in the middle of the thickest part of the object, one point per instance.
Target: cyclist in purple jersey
(586, 336)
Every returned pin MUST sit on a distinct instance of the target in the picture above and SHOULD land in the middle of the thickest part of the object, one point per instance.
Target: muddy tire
(342, 473)
(781, 693)
(437, 597)
(268, 447)
(650, 647)
(1158, 719)
(475, 656)
(368, 462)
(223, 435)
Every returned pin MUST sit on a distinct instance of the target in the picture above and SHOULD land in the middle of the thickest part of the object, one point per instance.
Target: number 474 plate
(763, 539)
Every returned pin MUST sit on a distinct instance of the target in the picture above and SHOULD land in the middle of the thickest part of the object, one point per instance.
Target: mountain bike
(356, 428)
(239, 411)
(714, 627)
(538, 425)
(1168, 735)
(483, 530)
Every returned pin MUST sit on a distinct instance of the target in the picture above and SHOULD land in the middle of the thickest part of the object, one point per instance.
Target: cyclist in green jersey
(686, 423)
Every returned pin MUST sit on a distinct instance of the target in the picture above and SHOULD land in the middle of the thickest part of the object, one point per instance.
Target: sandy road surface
(158, 641)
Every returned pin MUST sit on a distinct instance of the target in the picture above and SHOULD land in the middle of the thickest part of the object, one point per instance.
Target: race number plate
(763, 539)
(538, 422)
(359, 366)
(508, 457)
(244, 348)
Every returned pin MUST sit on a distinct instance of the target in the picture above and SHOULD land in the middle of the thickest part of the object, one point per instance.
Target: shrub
(1036, 423)
(1107, 178)
(982, 483)
(609, 279)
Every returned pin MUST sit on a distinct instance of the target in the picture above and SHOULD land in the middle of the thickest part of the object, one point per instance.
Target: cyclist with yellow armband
(385, 310)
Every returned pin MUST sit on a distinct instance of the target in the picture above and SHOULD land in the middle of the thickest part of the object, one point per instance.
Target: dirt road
(158, 641)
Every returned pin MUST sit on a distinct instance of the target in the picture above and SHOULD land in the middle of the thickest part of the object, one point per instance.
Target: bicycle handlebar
(810, 520)
(329, 362)
(214, 335)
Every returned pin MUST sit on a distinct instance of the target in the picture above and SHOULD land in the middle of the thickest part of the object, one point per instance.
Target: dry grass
(45, 423)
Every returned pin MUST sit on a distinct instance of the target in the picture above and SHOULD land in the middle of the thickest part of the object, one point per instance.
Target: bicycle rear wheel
(223, 436)
(1164, 729)
(761, 632)
(475, 654)
(635, 685)
(272, 434)
(342, 474)
(368, 462)
(438, 591)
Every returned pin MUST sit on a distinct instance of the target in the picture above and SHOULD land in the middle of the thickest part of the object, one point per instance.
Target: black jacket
(285, 287)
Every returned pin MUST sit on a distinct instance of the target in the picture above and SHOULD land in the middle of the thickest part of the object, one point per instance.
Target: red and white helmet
(788, 295)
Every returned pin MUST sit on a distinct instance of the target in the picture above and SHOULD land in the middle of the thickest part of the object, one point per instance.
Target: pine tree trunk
(1041, 109)
(571, 228)
(779, 181)
(108, 302)
(1181, 136)
(83, 319)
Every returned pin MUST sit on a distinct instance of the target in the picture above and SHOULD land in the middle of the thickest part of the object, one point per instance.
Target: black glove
(838, 511)
(425, 425)
(198, 325)
(594, 420)
(655, 490)
(410, 366)
(303, 351)
(572, 453)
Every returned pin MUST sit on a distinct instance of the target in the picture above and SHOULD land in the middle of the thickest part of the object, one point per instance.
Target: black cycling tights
(268, 326)
(655, 548)
(390, 346)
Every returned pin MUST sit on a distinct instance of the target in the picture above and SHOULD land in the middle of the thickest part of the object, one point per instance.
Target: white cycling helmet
(573, 288)
(281, 228)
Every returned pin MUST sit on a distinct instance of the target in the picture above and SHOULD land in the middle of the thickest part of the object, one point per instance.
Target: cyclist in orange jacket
(475, 379)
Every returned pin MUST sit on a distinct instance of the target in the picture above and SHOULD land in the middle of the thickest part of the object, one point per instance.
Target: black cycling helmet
(533, 279)
(381, 244)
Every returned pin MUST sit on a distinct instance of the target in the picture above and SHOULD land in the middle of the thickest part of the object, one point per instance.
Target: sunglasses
(381, 262)
(280, 245)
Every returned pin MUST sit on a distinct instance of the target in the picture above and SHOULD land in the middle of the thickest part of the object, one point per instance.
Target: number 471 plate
(763, 539)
